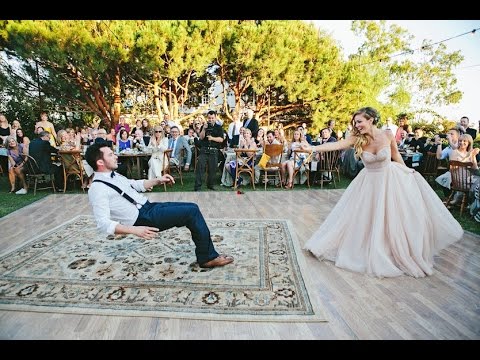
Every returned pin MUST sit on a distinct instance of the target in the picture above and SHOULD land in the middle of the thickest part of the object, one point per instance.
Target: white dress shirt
(109, 207)
(237, 124)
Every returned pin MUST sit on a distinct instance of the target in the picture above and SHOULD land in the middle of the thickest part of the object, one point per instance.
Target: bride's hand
(306, 147)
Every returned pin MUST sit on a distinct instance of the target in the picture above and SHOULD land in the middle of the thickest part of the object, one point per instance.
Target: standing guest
(16, 161)
(15, 125)
(233, 132)
(5, 129)
(122, 123)
(331, 126)
(465, 124)
(48, 127)
(390, 126)
(393, 232)
(251, 123)
(211, 138)
(119, 208)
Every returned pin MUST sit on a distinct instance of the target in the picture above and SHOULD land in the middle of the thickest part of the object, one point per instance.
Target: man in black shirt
(41, 150)
(210, 141)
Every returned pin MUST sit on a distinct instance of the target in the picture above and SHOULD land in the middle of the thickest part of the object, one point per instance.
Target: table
(412, 159)
(137, 155)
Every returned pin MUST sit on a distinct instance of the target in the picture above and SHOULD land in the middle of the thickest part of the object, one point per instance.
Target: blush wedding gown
(388, 222)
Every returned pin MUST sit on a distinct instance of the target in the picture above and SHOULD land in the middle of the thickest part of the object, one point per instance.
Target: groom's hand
(166, 179)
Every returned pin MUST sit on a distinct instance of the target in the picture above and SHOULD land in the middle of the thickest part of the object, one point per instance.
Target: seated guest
(247, 142)
(418, 141)
(16, 161)
(84, 140)
(158, 145)
(111, 136)
(261, 138)
(124, 141)
(326, 136)
(102, 134)
(147, 131)
(138, 126)
(41, 150)
(403, 142)
(177, 143)
(289, 165)
(138, 142)
(22, 139)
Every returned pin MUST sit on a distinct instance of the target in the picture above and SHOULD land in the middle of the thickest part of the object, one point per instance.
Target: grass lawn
(11, 202)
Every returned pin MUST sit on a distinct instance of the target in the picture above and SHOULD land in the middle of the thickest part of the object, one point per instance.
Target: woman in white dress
(158, 144)
(389, 221)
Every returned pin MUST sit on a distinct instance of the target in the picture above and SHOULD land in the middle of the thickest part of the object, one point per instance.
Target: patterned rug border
(320, 315)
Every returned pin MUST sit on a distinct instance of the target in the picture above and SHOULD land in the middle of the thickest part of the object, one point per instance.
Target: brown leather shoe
(220, 260)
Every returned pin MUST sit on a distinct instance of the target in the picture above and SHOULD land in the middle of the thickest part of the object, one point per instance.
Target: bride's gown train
(388, 222)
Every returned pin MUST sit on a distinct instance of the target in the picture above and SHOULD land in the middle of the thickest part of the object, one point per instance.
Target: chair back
(301, 163)
(168, 165)
(245, 159)
(328, 165)
(31, 166)
(34, 174)
(461, 173)
(430, 165)
(72, 165)
(329, 161)
(275, 152)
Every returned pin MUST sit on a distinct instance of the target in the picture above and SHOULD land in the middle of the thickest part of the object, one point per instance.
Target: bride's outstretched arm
(337, 145)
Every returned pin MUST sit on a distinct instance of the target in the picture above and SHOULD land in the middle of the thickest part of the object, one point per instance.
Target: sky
(468, 72)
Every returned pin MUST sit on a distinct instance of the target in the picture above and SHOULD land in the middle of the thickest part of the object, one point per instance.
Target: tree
(427, 82)
(82, 59)
(173, 54)
(288, 65)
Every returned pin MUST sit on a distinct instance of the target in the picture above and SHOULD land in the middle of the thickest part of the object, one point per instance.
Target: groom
(119, 208)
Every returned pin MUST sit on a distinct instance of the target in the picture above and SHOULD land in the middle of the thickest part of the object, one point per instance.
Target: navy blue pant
(166, 215)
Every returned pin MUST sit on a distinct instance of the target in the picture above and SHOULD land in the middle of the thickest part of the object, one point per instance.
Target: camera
(442, 136)
(208, 131)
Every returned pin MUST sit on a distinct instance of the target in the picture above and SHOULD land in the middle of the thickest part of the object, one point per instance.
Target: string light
(423, 47)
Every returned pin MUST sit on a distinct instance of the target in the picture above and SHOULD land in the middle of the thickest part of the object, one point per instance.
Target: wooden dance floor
(442, 306)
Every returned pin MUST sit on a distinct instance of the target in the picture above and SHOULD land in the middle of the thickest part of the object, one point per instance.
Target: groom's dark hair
(94, 154)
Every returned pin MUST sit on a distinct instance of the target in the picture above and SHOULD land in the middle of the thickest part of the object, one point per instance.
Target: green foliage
(292, 69)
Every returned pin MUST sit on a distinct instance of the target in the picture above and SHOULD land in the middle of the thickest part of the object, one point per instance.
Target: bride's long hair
(362, 140)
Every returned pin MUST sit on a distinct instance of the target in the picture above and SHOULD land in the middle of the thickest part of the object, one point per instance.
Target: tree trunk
(156, 93)
(117, 98)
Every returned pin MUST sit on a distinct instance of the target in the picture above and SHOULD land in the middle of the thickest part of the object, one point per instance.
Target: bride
(389, 221)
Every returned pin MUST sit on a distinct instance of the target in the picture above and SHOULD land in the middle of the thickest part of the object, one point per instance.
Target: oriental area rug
(74, 269)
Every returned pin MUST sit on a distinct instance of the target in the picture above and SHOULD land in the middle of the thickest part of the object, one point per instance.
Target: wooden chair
(169, 166)
(72, 166)
(461, 173)
(329, 163)
(430, 167)
(272, 169)
(301, 161)
(245, 159)
(35, 176)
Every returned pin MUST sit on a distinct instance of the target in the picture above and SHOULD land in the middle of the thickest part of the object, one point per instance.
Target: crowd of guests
(205, 140)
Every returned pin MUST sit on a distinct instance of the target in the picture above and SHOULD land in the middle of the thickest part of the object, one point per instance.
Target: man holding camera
(211, 138)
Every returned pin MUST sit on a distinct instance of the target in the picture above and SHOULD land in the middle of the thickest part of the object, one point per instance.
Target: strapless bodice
(377, 161)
